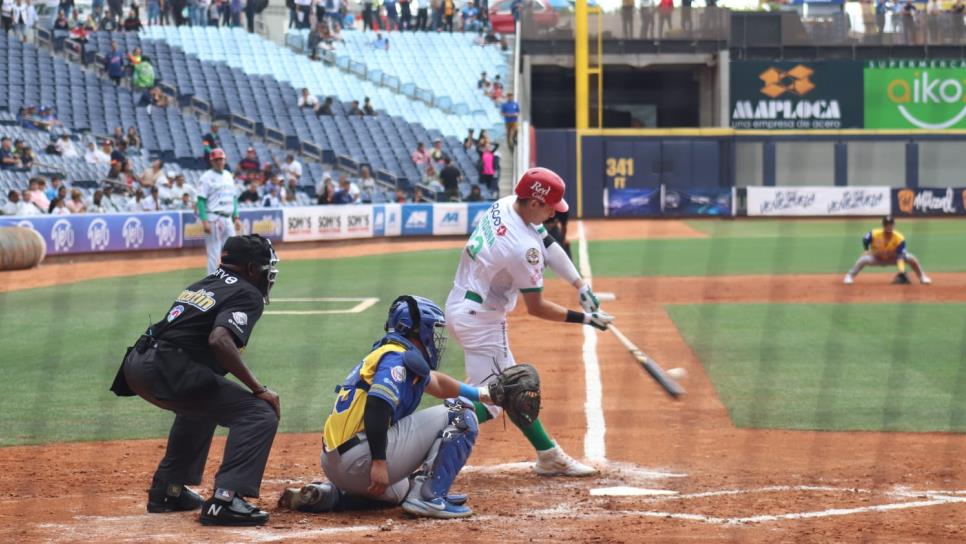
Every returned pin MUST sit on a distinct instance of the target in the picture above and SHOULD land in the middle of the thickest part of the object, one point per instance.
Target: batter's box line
(362, 304)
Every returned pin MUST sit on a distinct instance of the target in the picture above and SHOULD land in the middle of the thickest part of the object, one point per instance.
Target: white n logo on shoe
(214, 510)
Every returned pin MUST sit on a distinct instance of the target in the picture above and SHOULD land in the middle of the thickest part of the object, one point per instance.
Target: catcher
(378, 450)
(887, 247)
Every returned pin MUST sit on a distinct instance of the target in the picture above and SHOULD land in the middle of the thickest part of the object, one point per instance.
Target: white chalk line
(595, 447)
(363, 304)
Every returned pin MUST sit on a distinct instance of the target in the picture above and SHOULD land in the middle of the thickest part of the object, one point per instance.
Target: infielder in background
(377, 449)
(504, 257)
(887, 247)
(217, 207)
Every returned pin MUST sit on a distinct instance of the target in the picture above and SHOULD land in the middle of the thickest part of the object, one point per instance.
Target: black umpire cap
(251, 248)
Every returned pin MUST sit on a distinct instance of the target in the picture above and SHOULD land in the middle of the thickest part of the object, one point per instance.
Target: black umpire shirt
(220, 300)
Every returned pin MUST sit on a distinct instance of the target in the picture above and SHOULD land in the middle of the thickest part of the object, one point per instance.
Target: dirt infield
(728, 484)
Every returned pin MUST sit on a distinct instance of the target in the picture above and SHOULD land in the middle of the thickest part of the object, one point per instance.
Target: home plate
(625, 491)
(606, 296)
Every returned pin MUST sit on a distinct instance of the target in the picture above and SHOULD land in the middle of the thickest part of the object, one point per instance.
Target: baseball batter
(376, 446)
(217, 207)
(504, 258)
(887, 247)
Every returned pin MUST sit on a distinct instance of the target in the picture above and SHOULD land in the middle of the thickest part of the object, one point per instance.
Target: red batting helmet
(544, 185)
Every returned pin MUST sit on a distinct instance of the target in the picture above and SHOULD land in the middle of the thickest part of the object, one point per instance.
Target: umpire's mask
(257, 250)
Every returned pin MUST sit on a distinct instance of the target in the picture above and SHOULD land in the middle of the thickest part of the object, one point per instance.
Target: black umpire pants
(251, 424)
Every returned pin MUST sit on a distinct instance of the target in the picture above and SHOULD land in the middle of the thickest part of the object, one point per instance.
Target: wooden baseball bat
(670, 386)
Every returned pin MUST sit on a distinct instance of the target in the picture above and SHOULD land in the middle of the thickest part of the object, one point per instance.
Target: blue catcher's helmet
(420, 316)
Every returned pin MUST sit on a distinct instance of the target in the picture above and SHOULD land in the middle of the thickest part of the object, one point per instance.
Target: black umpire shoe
(164, 498)
(236, 512)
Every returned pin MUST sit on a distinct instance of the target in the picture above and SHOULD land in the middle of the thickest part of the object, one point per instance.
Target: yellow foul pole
(581, 61)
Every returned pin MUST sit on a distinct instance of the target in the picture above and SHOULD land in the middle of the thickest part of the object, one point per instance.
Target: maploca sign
(796, 95)
(926, 94)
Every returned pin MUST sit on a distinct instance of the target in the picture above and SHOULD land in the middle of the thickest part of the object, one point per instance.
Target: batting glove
(598, 320)
(588, 300)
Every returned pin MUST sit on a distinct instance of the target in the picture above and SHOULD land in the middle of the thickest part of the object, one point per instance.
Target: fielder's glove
(599, 319)
(901, 279)
(517, 390)
(588, 300)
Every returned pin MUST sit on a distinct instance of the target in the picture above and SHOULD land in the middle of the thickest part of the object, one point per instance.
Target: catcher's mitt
(901, 279)
(517, 390)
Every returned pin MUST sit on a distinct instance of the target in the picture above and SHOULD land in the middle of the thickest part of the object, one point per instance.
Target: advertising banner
(632, 202)
(450, 218)
(93, 233)
(915, 94)
(265, 221)
(929, 201)
(417, 220)
(819, 201)
(796, 95)
(697, 202)
(387, 219)
(477, 211)
(327, 222)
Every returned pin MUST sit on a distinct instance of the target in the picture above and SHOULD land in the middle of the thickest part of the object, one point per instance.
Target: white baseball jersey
(219, 191)
(503, 257)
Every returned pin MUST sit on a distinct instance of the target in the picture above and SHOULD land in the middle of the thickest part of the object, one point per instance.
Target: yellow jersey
(883, 247)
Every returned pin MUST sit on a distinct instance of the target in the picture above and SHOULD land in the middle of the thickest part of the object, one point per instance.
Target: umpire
(179, 364)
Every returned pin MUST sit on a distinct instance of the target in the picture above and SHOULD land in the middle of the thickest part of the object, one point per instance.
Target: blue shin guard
(455, 446)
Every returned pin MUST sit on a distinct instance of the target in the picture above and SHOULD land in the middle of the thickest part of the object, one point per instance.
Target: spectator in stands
(496, 90)
(418, 197)
(108, 23)
(627, 19)
(143, 75)
(250, 195)
(186, 203)
(214, 9)
(482, 82)
(36, 195)
(24, 17)
(119, 154)
(133, 138)
(327, 195)
(62, 23)
(354, 109)
(8, 161)
(367, 15)
(511, 115)
(65, 147)
(27, 156)
(111, 203)
(336, 34)
(291, 194)
(132, 23)
(436, 12)
(380, 43)
(152, 203)
(475, 194)
(422, 14)
(487, 167)
(348, 185)
(308, 101)
(469, 143)
(154, 12)
(210, 140)
(292, 169)
(272, 198)
(366, 181)
(909, 22)
(27, 207)
(405, 15)
(56, 184)
(469, 18)
(316, 39)
(367, 108)
(76, 203)
(114, 176)
(235, 9)
(420, 157)
(401, 197)
(59, 207)
(157, 99)
(450, 176)
(154, 175)
(326, 107)
(180, 188)
(102, 155)
(249, 168)
(12, 207)
(118, 136)
(449, 10)
(97, 202)
(114, 64)
(436, 154)
(304, 8)
(46, 118)
(6, 16)
(25, 117)
(957, 10)
(664, 10)
(343, 195)
(392, 15)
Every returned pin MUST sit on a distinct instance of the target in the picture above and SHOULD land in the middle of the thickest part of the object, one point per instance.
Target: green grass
(62, 345)
(775, 247)
(876, 367)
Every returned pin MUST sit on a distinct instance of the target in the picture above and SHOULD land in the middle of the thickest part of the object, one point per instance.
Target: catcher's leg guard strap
(455, 446)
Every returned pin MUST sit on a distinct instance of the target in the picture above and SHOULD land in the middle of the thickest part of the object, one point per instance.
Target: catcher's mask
(420, 317)
(257, 250)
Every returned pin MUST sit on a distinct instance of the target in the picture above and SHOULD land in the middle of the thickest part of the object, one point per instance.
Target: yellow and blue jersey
(381, 374)
(885, 248)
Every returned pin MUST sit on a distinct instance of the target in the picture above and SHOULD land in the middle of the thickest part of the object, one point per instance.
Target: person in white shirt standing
(505, 257)
(217, 207)
(292, 169)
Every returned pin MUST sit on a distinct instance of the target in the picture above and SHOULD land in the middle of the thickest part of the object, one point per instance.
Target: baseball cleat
(435, 508)
(554, 462)
(234, 512)
(849, 280)
(164, 498)
(925, 280)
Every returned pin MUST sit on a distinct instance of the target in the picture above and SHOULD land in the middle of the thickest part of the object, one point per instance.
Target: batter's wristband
(574, 317)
